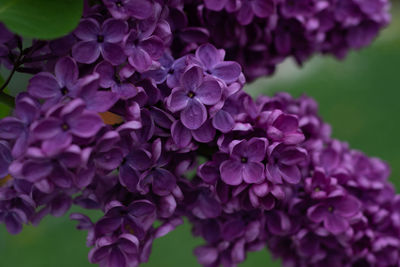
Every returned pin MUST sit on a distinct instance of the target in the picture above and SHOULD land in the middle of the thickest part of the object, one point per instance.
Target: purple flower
(47, 86)
(17, 128)
(116, 251)
(244, 163)
(109, 78)
(5, 158)
(96, 40)
(190, 98)
(213, 63)
(258, 8)
(143, 49)
(123, 9)
(283, 163)
(283, 128)
(335, 213)
(56, 132)
(135, 219)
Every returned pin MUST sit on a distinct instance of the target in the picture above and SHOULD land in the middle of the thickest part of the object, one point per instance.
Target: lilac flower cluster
(118, 114)
(259, 34)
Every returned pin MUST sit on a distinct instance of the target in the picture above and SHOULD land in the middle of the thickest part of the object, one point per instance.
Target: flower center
(64, 91)
(243, 160)
(129, 229)
(4, 180)
(330, 209)
(100, 38)
(65, 127)
(191, 94)
(317, 189)
(118, 4)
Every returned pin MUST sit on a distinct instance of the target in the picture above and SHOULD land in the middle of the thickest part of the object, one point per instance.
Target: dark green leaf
(4, 109)
(41, 19)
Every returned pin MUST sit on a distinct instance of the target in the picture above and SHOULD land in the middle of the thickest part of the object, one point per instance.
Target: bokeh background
(359, 97)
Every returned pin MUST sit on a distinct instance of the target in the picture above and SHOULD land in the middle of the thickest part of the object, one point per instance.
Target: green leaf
(41, 19)
(4, 109)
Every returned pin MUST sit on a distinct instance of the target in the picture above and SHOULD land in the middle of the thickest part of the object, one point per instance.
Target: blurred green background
(359, 97)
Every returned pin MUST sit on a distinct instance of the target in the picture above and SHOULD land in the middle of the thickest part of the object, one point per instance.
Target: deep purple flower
(47, 86)
(258, 8)
(213, 63)
(335, 213)
(190, 98)
(123, 9)
(17, 128)
(283, 128)
(135, 219)
(116, 251)
(99, 39)
(244, 163)
(283, 163)
(143, 49)
(109, 78)
(5, 158)
(56, 132)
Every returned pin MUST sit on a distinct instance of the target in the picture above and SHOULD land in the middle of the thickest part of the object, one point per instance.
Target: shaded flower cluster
(260, 34)
(119, 113)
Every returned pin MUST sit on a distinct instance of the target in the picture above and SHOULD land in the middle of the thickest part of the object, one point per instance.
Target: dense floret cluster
(140, 113)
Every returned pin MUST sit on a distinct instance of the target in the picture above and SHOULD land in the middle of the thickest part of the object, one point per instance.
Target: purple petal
(66, 71)
(86, 52)
(35, 170)
(114, 30)
(318, 213)
(233, 229)
(209, 92)
(163, 182)
(87, 30)
(263, 8)
(256, 149)
(231, 172)
(206, 255)
(85, 125)
(228, 71)
(97, 255)
(180, 134)
(223, 121)
(253, 172)
(346, 206)
(128, 177)
(208, 54)
(154, 46)
(113, 53)
(44, 86)
(335, 224)
(139, 9)
(47, 128)
(13, 223)
(205, 133)
(290, 174)
(216, 5)
(106, 74)
(194, 115)
(125, 90)
(192, 78)
(11, 128)
(116, 258)
(245, 14)
(140, 59)
(60, 205)
(101, 101)
(178, 99)
(56, 144)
